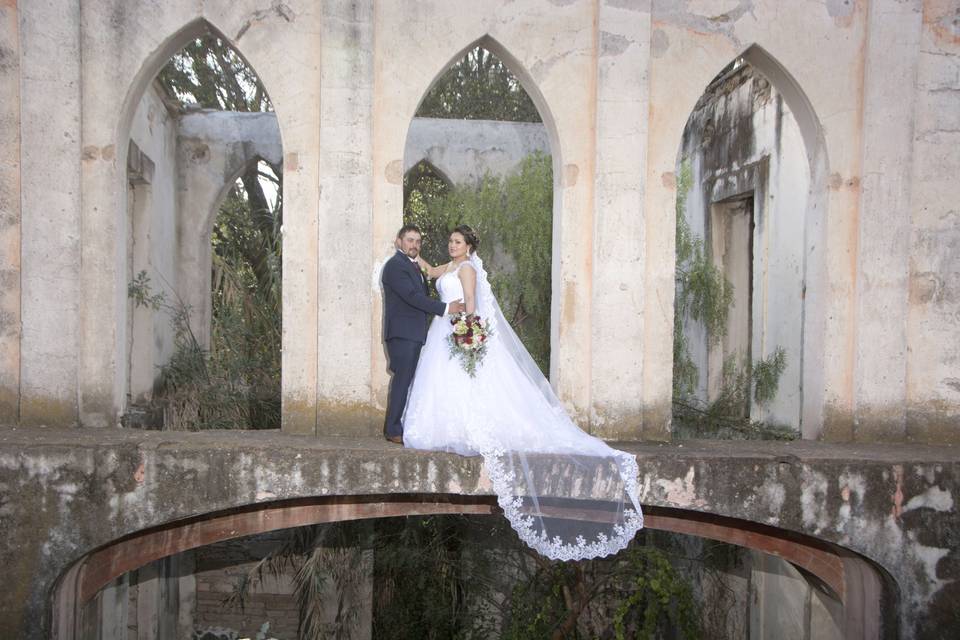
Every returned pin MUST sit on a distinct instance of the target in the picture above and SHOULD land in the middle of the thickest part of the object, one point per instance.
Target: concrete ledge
(65, 493)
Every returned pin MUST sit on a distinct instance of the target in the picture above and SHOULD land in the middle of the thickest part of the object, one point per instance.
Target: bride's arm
(468, 278)
(432, 272)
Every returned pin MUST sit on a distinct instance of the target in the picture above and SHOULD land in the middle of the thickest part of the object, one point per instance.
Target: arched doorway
(504, 185)
(198, 137)
(750, 199)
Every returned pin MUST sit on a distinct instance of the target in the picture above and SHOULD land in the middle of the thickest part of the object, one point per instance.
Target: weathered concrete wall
(147, 336)
(883, 245)
(742, 139)
(466, 150)
(348, 356)
(9, 214)
(933, 360)
(50, 139)
(64, 493)
(617, 288)
(615, 83)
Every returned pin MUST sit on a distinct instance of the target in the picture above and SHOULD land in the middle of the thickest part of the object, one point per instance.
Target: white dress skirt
(568, 494)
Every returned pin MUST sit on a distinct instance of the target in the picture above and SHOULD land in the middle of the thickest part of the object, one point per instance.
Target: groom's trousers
(403, 355)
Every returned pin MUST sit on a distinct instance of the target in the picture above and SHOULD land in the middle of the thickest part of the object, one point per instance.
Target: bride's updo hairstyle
(469, 236)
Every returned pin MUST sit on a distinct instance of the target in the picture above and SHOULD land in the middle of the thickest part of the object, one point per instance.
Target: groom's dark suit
(406, 305)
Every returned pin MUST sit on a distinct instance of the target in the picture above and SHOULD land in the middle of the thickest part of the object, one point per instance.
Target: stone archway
(197, 157)
(808, 354)
(752, 182)
(113, 100)
(546, 133)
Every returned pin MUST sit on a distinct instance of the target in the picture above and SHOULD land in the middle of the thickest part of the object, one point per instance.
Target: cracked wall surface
(63, 493)
(872, 85)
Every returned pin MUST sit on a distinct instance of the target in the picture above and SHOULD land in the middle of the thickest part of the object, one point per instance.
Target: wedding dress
(566, 493)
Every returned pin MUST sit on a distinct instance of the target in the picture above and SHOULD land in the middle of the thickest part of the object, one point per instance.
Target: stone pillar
(933, 361)
(883, 261)
(672, 46)
(50, 194)
(616, 375)
(345, 334)
(10, 215)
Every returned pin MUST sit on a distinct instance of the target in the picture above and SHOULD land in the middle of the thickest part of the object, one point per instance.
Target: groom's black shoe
(395, 439)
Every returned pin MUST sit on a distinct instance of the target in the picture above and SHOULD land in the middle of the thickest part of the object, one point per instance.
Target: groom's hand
(456, 307)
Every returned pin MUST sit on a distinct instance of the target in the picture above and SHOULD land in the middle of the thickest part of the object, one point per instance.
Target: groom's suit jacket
(406, 302)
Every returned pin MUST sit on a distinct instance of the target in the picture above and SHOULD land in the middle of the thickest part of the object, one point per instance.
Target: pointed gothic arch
(810, 255)
(192, 288)
(528, 85)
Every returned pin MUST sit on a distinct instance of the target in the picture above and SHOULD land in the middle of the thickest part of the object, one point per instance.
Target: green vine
(705, 296)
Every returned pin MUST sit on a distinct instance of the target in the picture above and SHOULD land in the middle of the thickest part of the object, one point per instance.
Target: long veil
(567, 494)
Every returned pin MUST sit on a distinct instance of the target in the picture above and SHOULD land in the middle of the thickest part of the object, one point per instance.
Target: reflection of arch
(858, 583)
(811, 301)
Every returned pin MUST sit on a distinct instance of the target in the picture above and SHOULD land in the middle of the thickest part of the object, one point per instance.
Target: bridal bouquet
(469, 341)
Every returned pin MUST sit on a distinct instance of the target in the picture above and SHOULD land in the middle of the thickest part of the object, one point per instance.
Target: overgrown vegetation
(704, 296)
(513, 217)
(479, 87)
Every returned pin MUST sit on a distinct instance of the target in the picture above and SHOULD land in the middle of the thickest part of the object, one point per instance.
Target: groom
(405, 308)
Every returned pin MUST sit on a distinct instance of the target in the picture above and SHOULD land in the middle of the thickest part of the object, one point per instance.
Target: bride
(567, 494)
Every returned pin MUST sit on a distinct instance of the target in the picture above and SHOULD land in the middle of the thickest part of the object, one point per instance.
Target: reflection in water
(463, 577)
